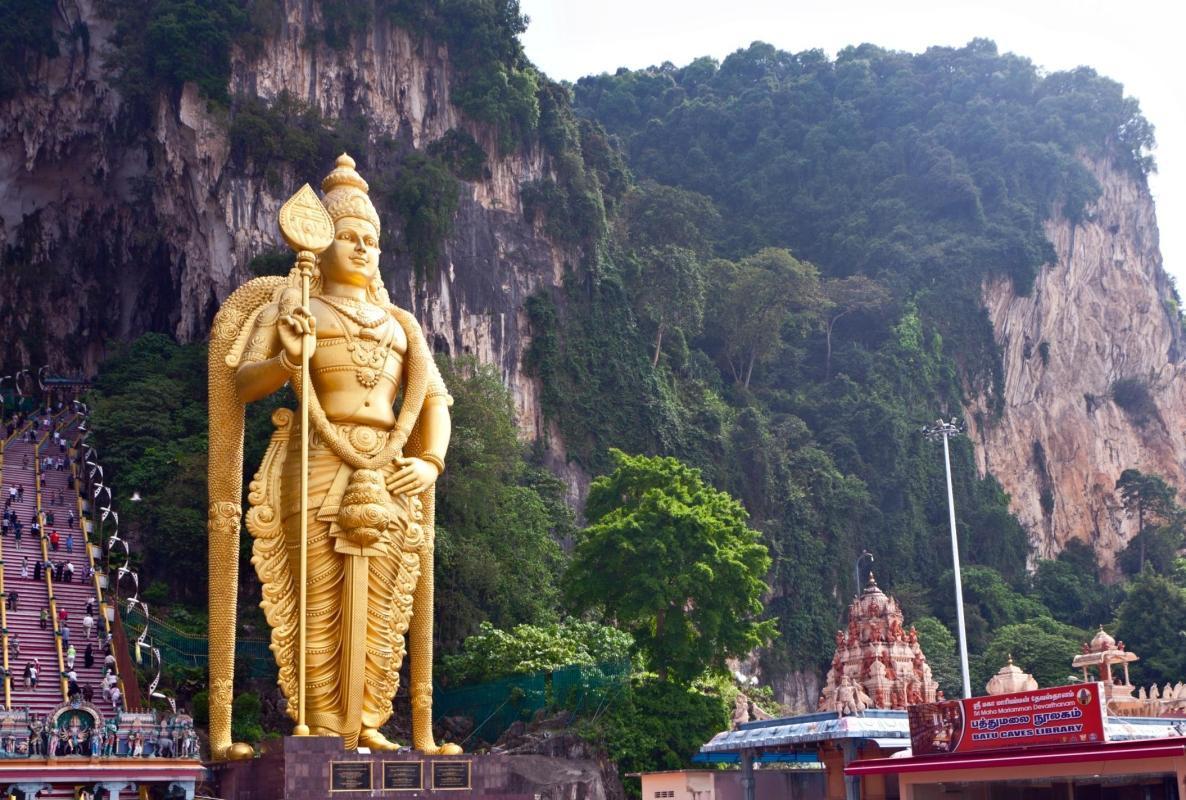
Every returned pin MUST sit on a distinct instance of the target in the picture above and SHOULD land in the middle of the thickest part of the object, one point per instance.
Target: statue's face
(353, 257)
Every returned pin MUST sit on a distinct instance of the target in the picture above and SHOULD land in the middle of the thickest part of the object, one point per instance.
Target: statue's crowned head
(354, 255)
(347, 194)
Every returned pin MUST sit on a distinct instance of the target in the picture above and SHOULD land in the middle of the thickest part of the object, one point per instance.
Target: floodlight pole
(945, 430)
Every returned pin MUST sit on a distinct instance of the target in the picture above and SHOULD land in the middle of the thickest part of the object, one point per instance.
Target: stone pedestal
(316, 767)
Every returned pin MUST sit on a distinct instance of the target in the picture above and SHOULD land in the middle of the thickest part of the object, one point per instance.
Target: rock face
(1103, 313)
(111, 228)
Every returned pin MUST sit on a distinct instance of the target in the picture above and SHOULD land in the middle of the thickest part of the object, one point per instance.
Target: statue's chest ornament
(367, 351)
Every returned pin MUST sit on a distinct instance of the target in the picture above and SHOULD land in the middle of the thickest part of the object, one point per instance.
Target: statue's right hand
(293, 329)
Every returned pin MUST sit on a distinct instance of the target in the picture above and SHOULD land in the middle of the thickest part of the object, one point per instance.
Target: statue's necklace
(368, 359)
(366, 316)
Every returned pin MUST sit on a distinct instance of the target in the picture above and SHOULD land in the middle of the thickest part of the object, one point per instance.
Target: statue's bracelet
(288, 365)
(436, 461)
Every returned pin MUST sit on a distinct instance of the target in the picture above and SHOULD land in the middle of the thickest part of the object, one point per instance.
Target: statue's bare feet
(370, 737)
(443, 749)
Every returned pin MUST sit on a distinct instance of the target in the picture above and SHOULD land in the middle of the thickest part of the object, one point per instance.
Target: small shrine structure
(1102, 653)
(878, 663)
(1010, 678)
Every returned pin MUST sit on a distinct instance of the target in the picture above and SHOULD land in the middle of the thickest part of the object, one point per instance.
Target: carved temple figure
(867, 662)
(371, 475)
(851, 701)
(914, 694)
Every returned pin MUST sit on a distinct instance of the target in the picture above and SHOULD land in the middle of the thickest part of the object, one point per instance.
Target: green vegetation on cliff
(792, 288)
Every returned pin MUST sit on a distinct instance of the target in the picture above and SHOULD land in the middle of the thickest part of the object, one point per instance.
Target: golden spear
(308, 230)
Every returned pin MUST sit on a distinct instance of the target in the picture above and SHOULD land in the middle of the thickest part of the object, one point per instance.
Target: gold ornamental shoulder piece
(304, 222)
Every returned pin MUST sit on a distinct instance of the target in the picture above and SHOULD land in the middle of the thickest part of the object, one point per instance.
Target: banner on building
(1057, 716)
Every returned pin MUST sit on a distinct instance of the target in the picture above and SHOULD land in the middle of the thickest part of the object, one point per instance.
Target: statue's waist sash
(366, 440)
(325, 498)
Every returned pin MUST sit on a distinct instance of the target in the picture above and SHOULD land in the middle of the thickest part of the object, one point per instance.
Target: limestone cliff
(111, 228)
(1103, 313)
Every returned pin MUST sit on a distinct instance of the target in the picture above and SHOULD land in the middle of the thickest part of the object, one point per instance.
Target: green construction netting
(497, 705)
(493, 707)
(252, 656)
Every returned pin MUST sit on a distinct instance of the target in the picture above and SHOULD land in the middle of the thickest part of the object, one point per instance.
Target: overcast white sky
(1140, 44)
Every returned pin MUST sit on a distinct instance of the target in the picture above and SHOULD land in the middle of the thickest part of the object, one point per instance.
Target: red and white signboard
(1057, 716)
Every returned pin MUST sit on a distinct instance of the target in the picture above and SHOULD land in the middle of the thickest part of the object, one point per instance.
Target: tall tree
(759, 297)
(671, 561)
(669, 233)
(1151, 499)
(671, 292)
(847, 296)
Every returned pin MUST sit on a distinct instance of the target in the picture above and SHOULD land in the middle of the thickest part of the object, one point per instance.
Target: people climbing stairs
(55, 632)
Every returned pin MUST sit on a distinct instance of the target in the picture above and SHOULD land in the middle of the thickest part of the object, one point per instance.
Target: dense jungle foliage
(774, 275)
(823, 227)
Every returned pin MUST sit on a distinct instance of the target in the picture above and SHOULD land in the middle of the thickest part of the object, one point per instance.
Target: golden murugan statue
(366, 545)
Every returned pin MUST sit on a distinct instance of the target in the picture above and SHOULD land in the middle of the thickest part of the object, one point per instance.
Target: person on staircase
(88, 656)
(14, 642)
(65, 628)
(13, 600)
(71, 654)
(44, 621)
(54, 540)
(68, 572)
(88, 625)
(25, 567)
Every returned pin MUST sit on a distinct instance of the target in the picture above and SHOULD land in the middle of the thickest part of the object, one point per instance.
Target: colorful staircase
(33, 595)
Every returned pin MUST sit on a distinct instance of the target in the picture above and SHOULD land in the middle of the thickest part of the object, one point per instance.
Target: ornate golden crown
(346, 193)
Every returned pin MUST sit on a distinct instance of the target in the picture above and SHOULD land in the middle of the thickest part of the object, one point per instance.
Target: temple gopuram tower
(878, 663)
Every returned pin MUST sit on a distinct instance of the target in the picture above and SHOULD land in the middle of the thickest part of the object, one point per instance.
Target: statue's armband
(265, 341)
(436, 385)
